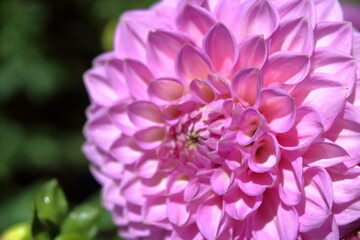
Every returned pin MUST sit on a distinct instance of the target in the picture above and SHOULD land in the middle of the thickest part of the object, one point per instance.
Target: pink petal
(278, 108)
(163, 91)
(220, 46)
(201, 91)
(346, 188)
(147, 167)
(154, 186)
(324, 154)
(99, 87)
(126, 151)
(177, 183)
(346, 130)
(274, 220)
(191, 64)
(338, 64)
(351, 10)
(208, 217)
(316, 206)
(239, 205)
(346, 215)
(150, 138)
(292, 9)
(307, 128)
(329, 231)
(253, 183)
(220, 180)
(155, 209)
(137, 77)
(131, 33)
(119, 117)
(335, 35)
(257, 18)
(249, 126)
(195, 21)
(132, 192)
(246, 85)
(252, 53)
(115, 73)
(177, 211)
(191, 190)
(328, 10)
(325, 93)
(145, 114)
(162, 48)
(102, 132)
(286, 67)
(265, 154)
(290, 174)
(220, 85)
(293, 35)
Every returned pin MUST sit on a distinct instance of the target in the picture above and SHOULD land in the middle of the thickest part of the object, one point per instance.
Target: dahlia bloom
(226, 119)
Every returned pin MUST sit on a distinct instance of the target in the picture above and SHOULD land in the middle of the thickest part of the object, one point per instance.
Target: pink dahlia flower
(227, 119)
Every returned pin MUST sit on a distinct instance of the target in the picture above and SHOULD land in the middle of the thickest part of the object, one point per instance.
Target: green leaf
(51, 203)
(20, 231)
(72, 236)
(83, 219)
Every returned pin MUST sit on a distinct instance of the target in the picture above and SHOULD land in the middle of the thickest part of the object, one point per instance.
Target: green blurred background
(45, 47)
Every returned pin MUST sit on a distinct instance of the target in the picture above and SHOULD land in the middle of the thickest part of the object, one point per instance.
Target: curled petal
(286, 67)
(294, 35)
(249, 126)
(307, 128)
(220, 46)
(265, 154)
(278, 108)
(191, 64)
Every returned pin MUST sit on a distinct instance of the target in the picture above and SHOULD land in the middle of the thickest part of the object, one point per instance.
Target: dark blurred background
(45, 47)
